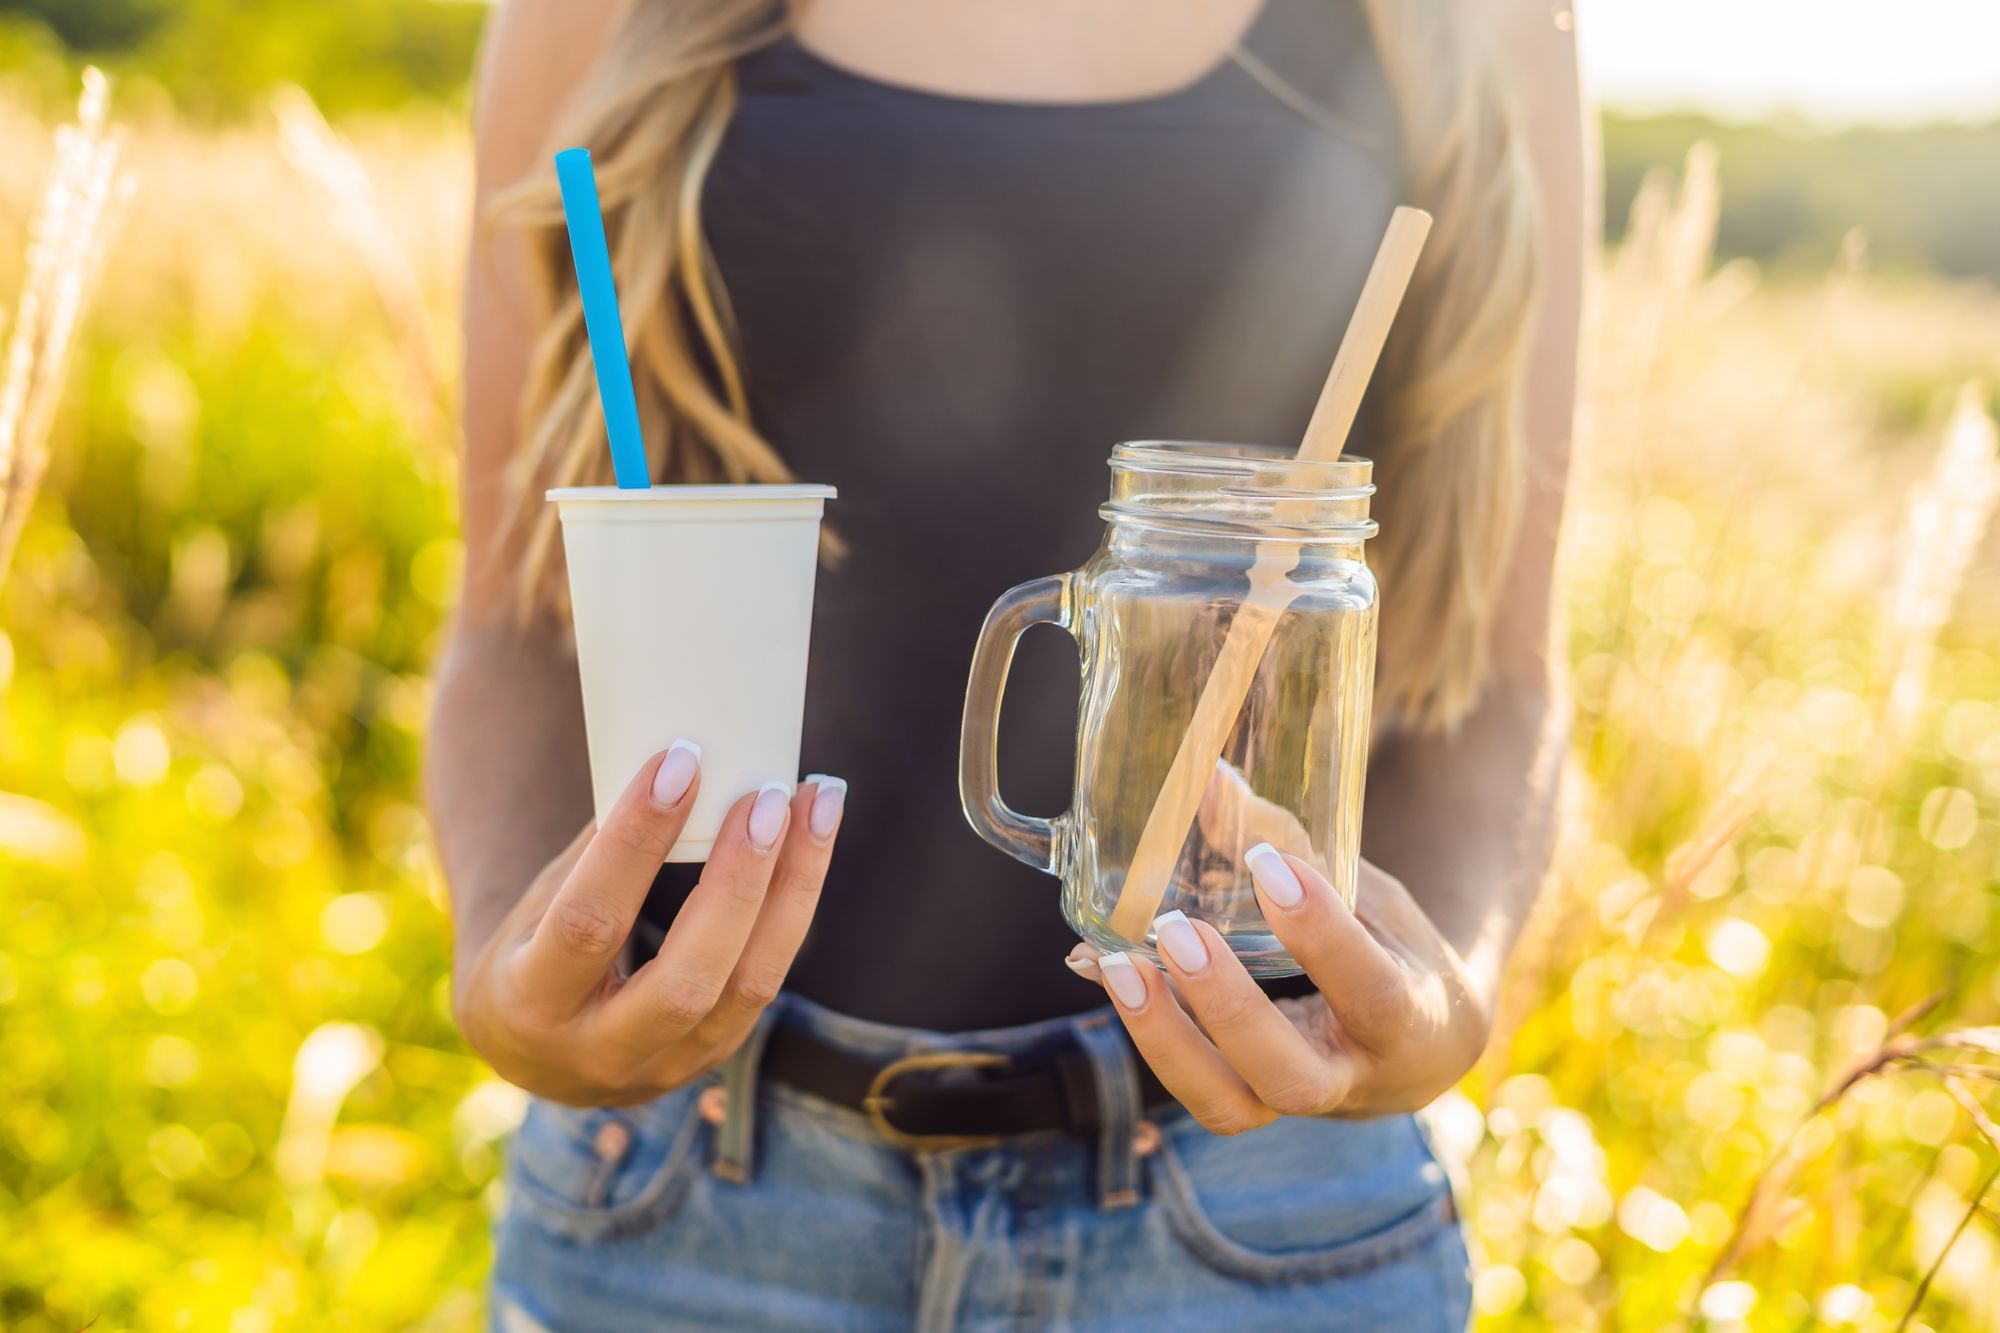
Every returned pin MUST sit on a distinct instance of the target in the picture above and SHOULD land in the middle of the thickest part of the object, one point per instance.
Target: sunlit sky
(1835, 61)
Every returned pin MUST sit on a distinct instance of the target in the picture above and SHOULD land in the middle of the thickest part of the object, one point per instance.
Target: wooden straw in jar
(1270, 590)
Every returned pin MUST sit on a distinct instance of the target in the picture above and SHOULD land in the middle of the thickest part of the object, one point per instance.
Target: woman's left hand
(1397, 1021)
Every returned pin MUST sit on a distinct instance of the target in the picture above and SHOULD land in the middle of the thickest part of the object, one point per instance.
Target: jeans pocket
(1301, 1198)
(601, 1173)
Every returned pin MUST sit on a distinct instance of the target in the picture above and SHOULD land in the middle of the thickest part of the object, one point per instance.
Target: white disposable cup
(693, 609)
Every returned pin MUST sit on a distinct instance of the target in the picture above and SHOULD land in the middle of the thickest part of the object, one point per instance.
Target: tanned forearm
(1467, 820)
(508, 777)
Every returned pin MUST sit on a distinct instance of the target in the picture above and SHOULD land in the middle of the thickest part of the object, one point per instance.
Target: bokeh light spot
(169, 985)
(1738, 947)
(1949, 817)
(140, 753)
(214, 794)
(171, 1061)
(1499, 1289)
(354, 922)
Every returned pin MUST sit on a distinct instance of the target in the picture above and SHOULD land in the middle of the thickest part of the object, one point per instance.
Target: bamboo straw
(1270, 590)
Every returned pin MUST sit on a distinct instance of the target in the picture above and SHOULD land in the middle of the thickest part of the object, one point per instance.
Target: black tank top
(951, 309)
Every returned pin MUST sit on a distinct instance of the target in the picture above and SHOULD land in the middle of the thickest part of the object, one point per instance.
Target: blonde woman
(943, 254)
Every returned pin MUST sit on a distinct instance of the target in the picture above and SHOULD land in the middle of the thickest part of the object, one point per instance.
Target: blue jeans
(785, 1212)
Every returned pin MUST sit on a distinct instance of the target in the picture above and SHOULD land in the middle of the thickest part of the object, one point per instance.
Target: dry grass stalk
(1669, 246)
(1760, 1217)
(1688, 242)
(331, 167)
(1742, 798)
(67, 237)
(1974, 1111)
(1949, 512)
(1657, 274)
(1765, 1212)
(1972, 1210)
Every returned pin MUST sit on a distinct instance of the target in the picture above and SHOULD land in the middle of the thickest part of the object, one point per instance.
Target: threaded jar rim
(1241, 490)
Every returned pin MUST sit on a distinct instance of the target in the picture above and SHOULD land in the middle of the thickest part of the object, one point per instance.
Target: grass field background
(231, 1096)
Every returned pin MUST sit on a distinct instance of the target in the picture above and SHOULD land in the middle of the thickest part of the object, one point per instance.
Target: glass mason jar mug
(1198, 538)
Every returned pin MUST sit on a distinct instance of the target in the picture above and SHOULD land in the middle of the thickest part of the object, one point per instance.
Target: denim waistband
(887, 1040)
(1113, 1061)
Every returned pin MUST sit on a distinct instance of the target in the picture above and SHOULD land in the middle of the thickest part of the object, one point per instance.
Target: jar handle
(1043, 601)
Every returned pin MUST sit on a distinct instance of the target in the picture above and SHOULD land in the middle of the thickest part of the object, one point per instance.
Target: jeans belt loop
(1118, 1107)
(736, 1137)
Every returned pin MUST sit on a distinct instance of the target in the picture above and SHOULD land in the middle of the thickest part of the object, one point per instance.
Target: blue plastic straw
(600, 316)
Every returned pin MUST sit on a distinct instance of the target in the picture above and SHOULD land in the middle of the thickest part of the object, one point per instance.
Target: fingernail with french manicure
(827, 805)
(1123, 980)
(1274, 875)
(676, 774)
(1180, 941)
(767, 815)
(1083, 967)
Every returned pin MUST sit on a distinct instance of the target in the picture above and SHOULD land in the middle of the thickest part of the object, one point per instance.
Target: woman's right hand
(543, 1000)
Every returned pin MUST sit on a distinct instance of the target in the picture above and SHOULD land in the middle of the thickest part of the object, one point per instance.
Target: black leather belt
(950, 1098)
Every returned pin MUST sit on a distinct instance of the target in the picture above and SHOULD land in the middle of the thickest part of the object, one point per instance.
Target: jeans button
(613, 1138)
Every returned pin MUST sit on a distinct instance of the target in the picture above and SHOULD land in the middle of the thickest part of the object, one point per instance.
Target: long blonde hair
(1449, 457)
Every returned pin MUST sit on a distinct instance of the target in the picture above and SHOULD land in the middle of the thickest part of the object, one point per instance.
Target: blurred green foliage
(1925, 198)
(221, 57)
(91, 26)
(213, 648)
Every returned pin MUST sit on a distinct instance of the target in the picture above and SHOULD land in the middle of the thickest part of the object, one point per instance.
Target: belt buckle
(878, 1100)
